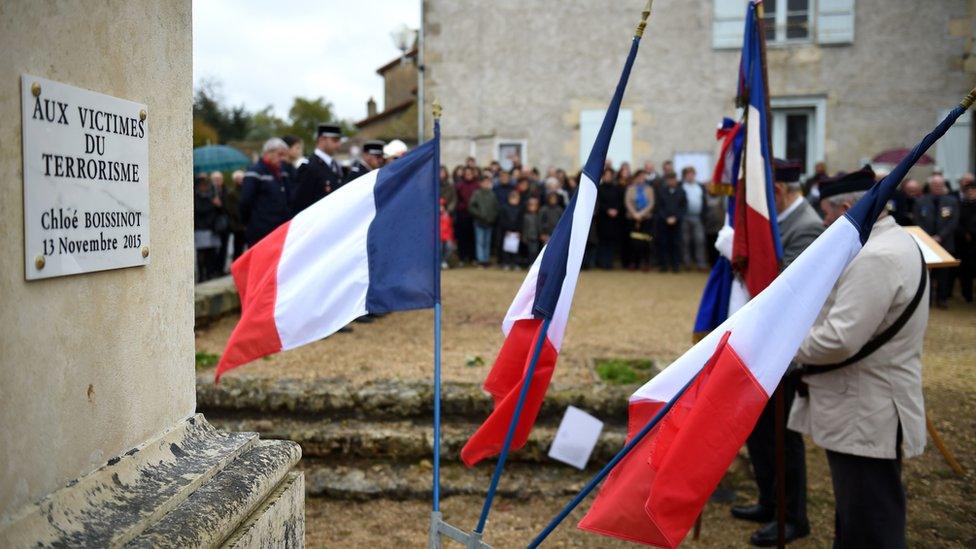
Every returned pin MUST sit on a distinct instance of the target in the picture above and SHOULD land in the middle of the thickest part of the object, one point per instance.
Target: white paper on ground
(575, 438)
(511, 242)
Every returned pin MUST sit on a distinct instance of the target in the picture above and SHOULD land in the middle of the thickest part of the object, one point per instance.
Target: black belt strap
(883, 337)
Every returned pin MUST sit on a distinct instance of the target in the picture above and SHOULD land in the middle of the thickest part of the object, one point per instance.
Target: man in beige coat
(866, 408)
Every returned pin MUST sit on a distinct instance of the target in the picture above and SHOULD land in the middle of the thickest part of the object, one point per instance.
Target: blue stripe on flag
(552, 269)
(714, 307)
(399, 247)
(751, 63)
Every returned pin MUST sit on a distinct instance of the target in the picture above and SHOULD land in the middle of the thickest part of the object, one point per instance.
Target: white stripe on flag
(755, 167)
(767, 331)
(521, 307)
(323, 274)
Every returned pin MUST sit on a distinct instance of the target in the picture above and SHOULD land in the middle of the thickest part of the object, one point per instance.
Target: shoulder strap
(884, 337)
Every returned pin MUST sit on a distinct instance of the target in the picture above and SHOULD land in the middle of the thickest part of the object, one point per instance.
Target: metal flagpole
(439, 528)
(610, 465)
(779, 398)
(506, 446)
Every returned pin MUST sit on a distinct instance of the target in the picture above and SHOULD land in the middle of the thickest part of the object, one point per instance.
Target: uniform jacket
(938, 215)
(798, 231)
(857, 409)
(316, 180)
(358, 168)
(264, 201)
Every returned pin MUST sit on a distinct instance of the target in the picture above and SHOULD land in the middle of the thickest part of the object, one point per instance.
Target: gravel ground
(616, 314)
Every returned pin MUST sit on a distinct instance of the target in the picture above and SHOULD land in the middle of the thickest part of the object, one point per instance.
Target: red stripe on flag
(753, 249)
(504, 383)
(656, 493)
(256, 277)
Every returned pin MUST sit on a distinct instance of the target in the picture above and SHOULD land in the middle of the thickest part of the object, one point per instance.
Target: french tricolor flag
(545, 294)
(717, 389)
(756, 248)
(370, 247)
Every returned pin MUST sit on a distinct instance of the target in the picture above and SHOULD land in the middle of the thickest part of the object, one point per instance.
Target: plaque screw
(36, 89)
(142, 114)
(145, 251)
(39, 262)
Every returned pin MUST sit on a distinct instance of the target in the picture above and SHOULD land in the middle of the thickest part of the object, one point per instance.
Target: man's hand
(671, 220)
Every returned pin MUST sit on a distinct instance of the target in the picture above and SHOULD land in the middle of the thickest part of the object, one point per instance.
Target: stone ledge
(278, 522)
(214, 299)
(170, 491)
(213, 512)
(115, 503)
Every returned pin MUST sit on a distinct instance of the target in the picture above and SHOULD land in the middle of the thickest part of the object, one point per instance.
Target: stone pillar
(99, 443)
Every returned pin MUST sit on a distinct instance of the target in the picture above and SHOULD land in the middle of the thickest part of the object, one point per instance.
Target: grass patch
(623, 371)
(206, 360)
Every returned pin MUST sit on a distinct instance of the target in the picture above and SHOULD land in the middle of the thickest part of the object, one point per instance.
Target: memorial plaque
(86, 180)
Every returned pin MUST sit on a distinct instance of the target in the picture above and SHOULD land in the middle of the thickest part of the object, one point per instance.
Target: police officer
(863, 378)
(799, 225)
(371, 159)
(322, 174)
(264, 193)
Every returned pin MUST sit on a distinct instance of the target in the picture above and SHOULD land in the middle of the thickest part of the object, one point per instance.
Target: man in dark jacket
(322, 174)
(966, 241)
(264, 195)
(938, 214)
(672, 205)
(371, 159)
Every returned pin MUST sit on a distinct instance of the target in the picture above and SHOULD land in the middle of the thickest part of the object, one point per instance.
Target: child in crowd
(447, 235)
(531, 230)
(483, 207)
(549, 216)
(510, 228)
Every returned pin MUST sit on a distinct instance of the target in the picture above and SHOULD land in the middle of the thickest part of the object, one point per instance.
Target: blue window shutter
(835, 21)
(728, 22)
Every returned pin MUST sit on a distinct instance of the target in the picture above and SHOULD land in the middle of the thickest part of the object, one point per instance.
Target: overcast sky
(266, 53)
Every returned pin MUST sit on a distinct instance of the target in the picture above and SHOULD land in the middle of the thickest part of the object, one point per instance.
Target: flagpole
(512, 425)
(779, 399)
(597, 478)
(436, 481)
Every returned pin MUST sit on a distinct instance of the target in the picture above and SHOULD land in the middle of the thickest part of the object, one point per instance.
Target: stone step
(406, 481)
(214, 299)
(389, 399)
(400, 440)
(369, 480)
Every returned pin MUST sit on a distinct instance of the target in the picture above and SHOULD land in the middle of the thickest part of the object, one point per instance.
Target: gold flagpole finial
(968, 100)
(436, 109)
(644, 16)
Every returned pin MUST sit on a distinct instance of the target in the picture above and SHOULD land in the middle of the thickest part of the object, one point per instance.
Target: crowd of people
(643, 219)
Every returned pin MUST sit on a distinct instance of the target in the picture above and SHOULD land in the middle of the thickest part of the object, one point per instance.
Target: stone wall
(523, 70)
(93, 364)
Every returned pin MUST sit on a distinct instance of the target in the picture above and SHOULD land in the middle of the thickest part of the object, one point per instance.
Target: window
(829, 22)
(507, 151)
(786, 20)
(798, 129)
(953, 153)
(621, 142)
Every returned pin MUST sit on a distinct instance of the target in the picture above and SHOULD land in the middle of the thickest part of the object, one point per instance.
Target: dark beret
(853, 182)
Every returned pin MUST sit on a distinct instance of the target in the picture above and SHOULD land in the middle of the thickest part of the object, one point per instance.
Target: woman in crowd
(639, 201)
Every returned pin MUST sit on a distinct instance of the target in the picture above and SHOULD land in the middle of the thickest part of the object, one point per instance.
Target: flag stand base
(440, 529)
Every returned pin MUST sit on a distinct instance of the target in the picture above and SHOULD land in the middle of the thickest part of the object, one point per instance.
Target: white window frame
(818, 132)
(781, 15)
(523, 143)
